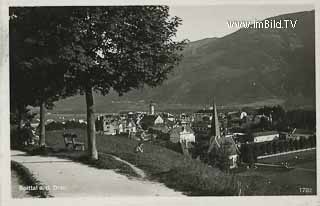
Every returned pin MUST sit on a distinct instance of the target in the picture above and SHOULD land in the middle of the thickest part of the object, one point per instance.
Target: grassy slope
(169, 167)
(188, 175)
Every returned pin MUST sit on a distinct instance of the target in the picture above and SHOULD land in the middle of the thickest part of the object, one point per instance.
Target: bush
(197, 179)
(19, 138)
(68, 125)
(15, 141)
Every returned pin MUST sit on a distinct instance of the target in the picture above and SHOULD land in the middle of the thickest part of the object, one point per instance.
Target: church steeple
(215, 128)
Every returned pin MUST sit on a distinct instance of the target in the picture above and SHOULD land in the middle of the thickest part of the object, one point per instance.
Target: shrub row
(250, 152)
(67, 125)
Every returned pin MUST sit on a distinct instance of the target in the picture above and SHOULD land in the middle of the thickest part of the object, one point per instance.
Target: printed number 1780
(305, 190)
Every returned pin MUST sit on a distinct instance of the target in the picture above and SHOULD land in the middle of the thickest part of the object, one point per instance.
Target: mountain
(247, 67)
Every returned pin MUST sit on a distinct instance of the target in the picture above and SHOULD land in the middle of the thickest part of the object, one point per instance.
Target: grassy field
(290, 181)
(191, 176)
(306, 159)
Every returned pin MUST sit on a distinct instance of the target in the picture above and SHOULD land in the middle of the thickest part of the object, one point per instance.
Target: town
(248, 134)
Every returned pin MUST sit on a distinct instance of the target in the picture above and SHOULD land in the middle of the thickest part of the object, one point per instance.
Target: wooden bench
(71, 140)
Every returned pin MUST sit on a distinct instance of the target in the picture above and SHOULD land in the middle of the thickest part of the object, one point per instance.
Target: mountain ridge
(241, 68)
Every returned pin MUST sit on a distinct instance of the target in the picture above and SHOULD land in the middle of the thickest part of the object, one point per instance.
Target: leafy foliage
(119, 48)
(92, 49)
(36, 73)
(67, 125)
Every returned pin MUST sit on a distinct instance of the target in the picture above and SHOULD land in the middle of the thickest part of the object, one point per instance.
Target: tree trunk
(20, 122)
(42, 141)
(91, 129)
(20, 125)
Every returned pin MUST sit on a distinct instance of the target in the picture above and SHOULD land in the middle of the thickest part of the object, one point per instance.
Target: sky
(199, 22)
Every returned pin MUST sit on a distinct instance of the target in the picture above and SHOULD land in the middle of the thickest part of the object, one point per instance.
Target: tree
(274, 147)
(296, 144)
(281, 145)
(269, 148)
(291, 144)
(313, 140)
(248, 153)
(302, 142)
(264, 148)
(36, 72)
(286, 145)
(20, 94)
(117, 48)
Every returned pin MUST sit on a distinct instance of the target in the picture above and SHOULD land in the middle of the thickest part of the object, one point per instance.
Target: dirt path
(140, 172)
(71, 179)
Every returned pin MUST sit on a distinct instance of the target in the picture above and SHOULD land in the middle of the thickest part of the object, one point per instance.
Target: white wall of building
(265, 138)
(158, 120)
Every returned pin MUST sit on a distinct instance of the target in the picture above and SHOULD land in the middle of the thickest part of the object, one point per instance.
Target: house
(203, 115)
(201, 128)
(265, 136)
(234, 119)
(120, 127)
(186, 117)
(243, 115)
(110, 128)
(130, 126)
(81, 121)
(150, 120)
(106, 124)
(35, 124)
(182, 134)
(168, 116)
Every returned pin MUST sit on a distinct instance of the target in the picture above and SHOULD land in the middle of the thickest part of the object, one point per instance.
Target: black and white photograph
(162, 101)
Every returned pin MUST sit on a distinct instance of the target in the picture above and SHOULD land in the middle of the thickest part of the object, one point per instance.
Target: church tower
(151, 108)
(215, 128)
